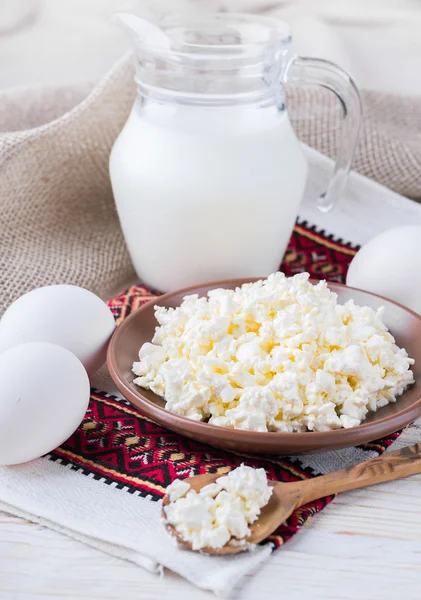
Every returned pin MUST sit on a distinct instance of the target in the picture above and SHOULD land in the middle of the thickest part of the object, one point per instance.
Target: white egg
(44, 394)
(390, 265)
(65, 315)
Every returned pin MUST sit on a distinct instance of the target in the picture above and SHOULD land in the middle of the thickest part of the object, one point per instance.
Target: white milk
(206, 193)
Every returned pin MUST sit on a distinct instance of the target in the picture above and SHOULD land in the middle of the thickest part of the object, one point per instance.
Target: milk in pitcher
(207, 173)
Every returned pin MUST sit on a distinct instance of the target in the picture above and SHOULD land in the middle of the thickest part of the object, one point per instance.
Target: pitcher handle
(330, 76)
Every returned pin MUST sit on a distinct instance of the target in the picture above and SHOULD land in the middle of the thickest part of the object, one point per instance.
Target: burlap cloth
(58, 221)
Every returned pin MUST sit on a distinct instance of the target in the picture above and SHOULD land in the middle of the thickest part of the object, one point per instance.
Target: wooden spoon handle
(389, 466)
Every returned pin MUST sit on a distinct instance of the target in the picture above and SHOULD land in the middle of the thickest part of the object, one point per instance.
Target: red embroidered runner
(119, 446)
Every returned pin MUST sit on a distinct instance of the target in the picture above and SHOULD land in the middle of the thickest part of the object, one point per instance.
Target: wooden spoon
(286, 497)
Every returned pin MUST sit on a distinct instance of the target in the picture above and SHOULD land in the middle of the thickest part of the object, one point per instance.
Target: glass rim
(277, 31)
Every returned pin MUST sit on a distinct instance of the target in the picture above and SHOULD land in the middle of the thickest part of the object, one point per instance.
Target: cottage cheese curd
(221, 512)
(274, 355)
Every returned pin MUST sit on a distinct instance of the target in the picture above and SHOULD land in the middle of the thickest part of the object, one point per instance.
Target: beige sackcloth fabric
(58, 222)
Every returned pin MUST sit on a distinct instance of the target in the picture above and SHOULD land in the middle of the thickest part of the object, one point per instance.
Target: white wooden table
(367, 544)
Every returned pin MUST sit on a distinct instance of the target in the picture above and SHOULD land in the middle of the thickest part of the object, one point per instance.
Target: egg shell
(44, 394)
(390, 265)
(66, 315)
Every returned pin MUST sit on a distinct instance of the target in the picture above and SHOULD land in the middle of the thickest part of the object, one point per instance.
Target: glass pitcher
(207, 173)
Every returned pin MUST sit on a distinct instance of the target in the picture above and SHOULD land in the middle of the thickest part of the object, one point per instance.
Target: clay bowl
(139, 327)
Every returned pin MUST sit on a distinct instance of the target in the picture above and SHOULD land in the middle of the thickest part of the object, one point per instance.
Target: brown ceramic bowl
(139, 327)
